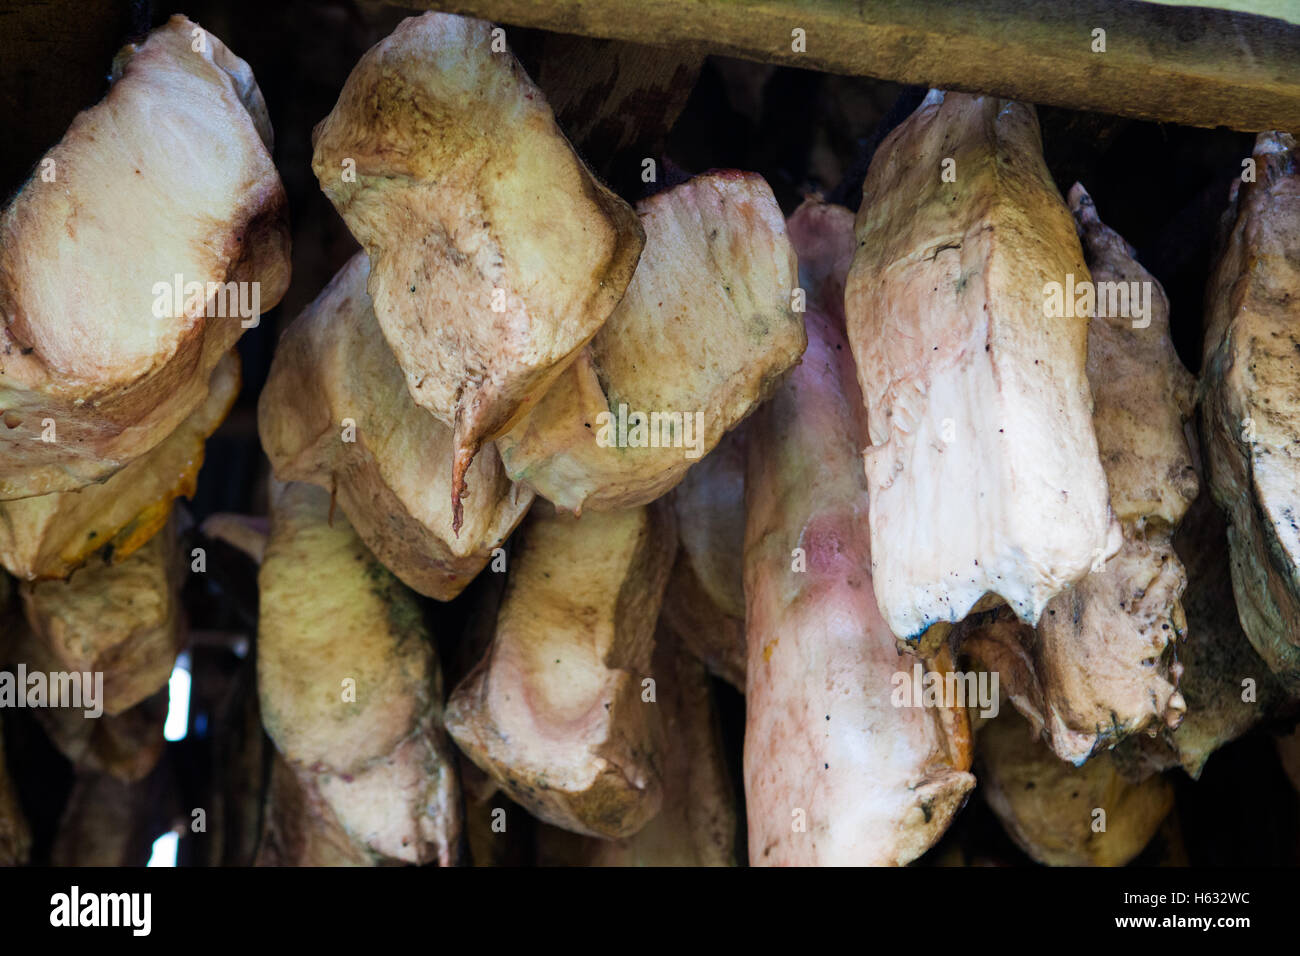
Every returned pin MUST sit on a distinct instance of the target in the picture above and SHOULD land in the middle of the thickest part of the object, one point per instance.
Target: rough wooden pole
(1191, 65)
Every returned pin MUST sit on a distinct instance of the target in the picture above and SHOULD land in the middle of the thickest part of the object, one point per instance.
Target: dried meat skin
(876, 784)
(169, 175)
(1251, 405)
(1104, 657)
(332, 616)
(1216, 659)
(983, 466)
(1052, 810)
(335, 412)
(554, 711)
(51, 536)
(122, 620)
(712, 300)
(697, 823)
(495, 254)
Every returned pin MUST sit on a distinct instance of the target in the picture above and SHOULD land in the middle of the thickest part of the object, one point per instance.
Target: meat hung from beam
(123, 621)
(335, 411)
(983, 467)
(1251, 407)
(836, 773)
(712, 298)
(696, 825)
(144, 245)
(495, 255)
(696, 434)
(1063, 815)
(1103, 662)
(558, 711)
(351, 689)
(52, 535)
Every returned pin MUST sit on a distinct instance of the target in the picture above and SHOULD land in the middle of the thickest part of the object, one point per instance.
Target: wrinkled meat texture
(332, 366)
(1049, 807)
(876, 784)
(52, 535)
(350, 687)
(983, 467)
(554, 711)
(123, 620)
(1251, 406)
(1216, 658)
(697, 825)
(705, 601)
(169, 175)
(1103, 659)
(711, 301)
(495, 254)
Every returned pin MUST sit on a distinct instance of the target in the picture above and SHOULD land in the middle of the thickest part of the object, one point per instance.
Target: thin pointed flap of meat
(349, 684)
(697, 824)
(122, 620)
(1104, 654)
(556, 712)
(1228, 687)
(107, 343)
(335, 412)
(52, 535)
(705, 601)
(495, 254)
(712, 303)
(15, 837)
(1063, 815)
(835, 773)
(983, 467)
(1251, 406)
(1142, 395)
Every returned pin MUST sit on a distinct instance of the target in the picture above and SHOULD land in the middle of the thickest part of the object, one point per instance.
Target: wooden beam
(1194, 65)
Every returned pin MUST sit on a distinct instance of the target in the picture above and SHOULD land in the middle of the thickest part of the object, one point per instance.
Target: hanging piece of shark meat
(1102, 665)
(123, 621)
(495, 255)
(1251, 405)
(51, 536)
(335, 411)
(350, 687)
(712, 300)
(558, 711)
(983, 466)
(150, 238)
(835, 772)
(697, 824)
(1228, 688)
(1063, 815)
